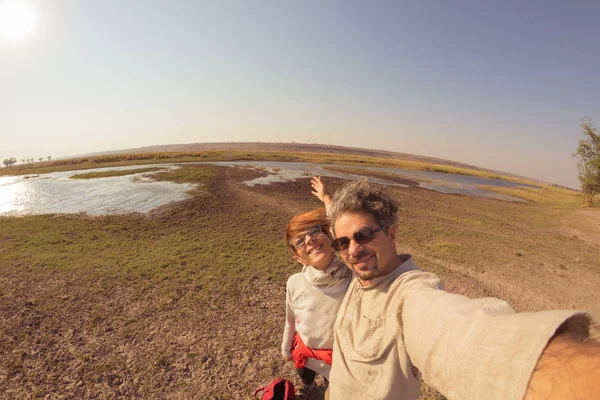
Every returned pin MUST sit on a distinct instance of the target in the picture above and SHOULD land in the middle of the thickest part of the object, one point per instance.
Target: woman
(314, 295)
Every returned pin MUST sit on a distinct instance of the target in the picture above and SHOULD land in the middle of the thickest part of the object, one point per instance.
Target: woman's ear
(298, 259)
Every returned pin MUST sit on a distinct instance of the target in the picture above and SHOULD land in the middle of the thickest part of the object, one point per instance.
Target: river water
(438, 181)
(57, 193)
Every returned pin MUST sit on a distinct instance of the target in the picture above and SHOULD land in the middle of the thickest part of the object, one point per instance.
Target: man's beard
(371, 273)
(367, 275)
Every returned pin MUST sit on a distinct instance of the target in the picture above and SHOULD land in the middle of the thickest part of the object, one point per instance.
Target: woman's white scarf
(334, 274)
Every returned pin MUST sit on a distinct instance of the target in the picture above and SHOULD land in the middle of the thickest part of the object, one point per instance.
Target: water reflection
(57, 193)
(8, 195)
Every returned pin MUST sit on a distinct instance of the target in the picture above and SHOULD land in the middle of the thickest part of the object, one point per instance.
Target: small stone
(114, 380)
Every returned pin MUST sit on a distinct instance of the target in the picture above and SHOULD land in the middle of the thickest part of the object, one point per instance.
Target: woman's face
(313, 248)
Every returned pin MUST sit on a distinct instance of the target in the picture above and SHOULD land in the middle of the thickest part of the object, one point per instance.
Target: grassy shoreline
(108, 174)
(545, 195)
(551, 195)
(225, 155)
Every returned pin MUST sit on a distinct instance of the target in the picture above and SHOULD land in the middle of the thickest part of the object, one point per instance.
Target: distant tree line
(588, 161)
(9, 162)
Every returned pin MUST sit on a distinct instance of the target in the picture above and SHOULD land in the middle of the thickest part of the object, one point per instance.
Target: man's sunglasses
(362, 236)
(299, 241)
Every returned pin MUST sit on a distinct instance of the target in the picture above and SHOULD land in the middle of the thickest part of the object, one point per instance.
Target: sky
(497, 84)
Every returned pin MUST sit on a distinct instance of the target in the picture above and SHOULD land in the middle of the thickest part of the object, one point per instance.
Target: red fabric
(301, 353)
(279, 389)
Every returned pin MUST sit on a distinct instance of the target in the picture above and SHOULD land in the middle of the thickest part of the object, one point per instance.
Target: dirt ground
(208, 325)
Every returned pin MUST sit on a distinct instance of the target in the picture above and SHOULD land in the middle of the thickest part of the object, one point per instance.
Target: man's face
(369, 260)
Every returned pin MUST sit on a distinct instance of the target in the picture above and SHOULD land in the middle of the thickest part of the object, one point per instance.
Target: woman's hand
(320, 190)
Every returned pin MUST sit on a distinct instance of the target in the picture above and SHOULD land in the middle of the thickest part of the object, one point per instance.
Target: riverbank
(548, 195)
(117, 160)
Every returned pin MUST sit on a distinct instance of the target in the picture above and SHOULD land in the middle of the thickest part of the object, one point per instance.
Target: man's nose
(354, 248)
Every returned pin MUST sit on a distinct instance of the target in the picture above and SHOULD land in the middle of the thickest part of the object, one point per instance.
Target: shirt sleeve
(289, 330)
(476, 348)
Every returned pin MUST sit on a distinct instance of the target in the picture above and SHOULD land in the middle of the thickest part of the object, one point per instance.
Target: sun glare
(16, 19)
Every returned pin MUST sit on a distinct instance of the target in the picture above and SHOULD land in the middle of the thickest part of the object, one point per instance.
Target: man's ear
(297, 258)
(392, 232)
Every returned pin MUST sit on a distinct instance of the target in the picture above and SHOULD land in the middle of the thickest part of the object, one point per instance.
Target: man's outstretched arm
(481, 349)
(567, 369)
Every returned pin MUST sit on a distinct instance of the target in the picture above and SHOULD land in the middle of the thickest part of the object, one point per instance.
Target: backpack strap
(269, 390)
(257, 391)
(290, 392)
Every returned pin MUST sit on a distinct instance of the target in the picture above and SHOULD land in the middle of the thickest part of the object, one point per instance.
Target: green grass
(106, 174)
(187, 174)
(547, 195)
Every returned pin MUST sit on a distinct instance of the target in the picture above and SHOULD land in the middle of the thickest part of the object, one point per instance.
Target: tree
(41, 159)
(9, 161)
(22, 161)
(588, 161)
(49, 158)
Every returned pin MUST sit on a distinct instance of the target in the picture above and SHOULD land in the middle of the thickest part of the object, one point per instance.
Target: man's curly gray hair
(363, 197)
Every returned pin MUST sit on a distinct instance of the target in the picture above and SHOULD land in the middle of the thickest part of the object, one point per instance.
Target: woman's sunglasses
(362, 236)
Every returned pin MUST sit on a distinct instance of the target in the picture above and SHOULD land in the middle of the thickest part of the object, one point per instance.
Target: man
(395, 317)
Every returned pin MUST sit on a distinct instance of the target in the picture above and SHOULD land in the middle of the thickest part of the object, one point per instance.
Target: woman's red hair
(301, 222)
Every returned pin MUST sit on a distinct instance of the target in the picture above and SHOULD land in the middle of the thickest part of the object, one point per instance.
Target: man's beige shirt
(465, 348)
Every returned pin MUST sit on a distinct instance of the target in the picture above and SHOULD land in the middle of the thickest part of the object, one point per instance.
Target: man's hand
(286, 358)
(320, 190)
(567, 369)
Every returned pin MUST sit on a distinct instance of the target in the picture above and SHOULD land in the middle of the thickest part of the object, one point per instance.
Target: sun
(16, 19)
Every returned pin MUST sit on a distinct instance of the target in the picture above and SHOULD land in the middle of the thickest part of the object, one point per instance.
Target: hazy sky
(498, 84)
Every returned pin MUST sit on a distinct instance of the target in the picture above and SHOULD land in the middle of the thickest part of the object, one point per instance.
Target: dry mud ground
(188, 302)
